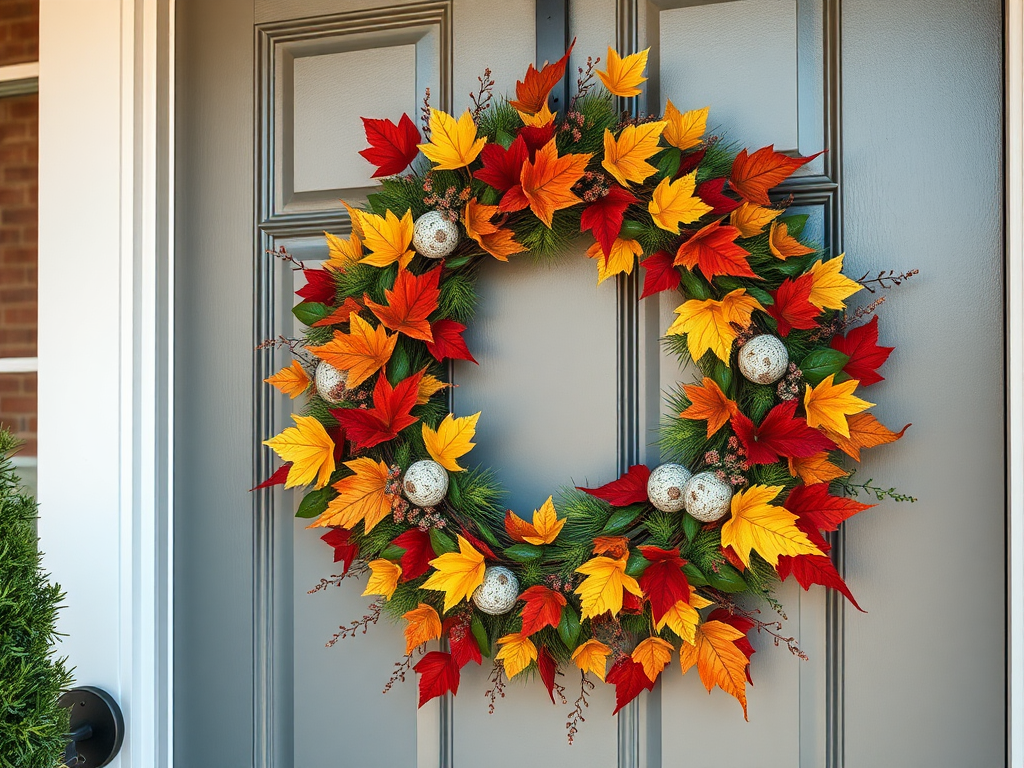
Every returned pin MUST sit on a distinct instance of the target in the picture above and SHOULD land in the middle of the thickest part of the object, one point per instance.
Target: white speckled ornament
(425, 483)
(665, 487)
(434, 236)
(498, 592)
(331, 383)
(707, 497)
(763, 359)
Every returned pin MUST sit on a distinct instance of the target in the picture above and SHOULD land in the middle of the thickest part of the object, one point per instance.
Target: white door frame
(106, 203)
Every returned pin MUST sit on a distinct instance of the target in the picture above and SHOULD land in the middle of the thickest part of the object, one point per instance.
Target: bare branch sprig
(886, 279)
(282, 253)
(576, 717)
(482, 98)
(360, 626)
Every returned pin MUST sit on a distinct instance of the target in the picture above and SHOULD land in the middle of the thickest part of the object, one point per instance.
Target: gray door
(906, 98)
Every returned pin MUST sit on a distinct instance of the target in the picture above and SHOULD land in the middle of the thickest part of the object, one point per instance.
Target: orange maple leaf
(291, 380)
(497, 241)
(708, 401)
(613, 546)
(362, 351)
(815, 469)
(409, 304)
(783, 245)
(424, 625)
(753, 175)
(719, 661)
(653, 654)
(751, 219)
(714, 250)
(547, 181)
(865, 432)
(532, 91)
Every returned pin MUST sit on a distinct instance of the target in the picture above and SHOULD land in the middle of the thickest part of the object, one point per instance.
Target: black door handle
(96, 729)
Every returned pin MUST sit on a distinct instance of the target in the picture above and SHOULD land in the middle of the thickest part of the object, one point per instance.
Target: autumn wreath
(659, 561)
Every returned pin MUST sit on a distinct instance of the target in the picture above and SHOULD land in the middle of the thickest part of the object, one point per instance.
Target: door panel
(256, 685)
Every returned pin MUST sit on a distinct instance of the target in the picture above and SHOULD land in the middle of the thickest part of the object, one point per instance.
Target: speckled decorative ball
(425, 483)
(763, 359)
(331, 384)
(665, 487)
(498, 592)
(707, 497)
(434, 236)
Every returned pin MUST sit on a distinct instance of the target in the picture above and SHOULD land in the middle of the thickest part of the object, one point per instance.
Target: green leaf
(794, 224)
(504, 138)
(393, 552)
(569, 627)
(490, 196)
(727, 579)
(524, 553)
(694, 575)
(822, 363)
(668, 162)
(636, 564)
(622, 519)
(694, 286)
(691, 526)
(728, 283)
(488, 535)
(309, 312)
(314, 503)
(454, 491)
(476, 626)
(632, 229)
(722, 375)
(398, 365)
(441, 542)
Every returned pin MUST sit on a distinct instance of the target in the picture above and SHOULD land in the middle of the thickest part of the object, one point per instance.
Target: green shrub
(32, 726)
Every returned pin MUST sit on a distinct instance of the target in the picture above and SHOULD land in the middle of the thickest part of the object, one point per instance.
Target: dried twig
(360, 625)
(497, 677)
(425, 114)
(886, 279)
(482, 98)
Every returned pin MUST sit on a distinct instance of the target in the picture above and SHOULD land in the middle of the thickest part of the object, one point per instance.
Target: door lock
(96, 729)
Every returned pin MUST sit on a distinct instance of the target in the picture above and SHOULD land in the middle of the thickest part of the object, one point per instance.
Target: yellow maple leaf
(626, 157)
(708, 324)
(815, 469)
(310, 449)
(624, 74)
(783, 245)
(360, 496)
(719, 662)
(755, 524)
(429, 385)
(621, 259)
(538, 119)
(355, 221)
(343, 253)
(451, 440)
(601, 591)
(865, 432)
(682, 618)
(828, 404)
(517, 653)
(685, 130)
(675, 202)
(751, 219)
(653, 654)
(383, 579)
(458, 574)
(423, 626)
(831, 287)
(547, 181)
(545, 523)
(592, 656)
(697, 601)
(388, 238)
(453, 143)
(497, 241)
(361, 352)
(292, 380)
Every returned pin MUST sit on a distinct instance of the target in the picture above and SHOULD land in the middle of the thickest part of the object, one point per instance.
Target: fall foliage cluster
(609, 585)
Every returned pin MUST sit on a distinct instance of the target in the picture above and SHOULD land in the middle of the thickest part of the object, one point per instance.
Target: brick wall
(19, 148)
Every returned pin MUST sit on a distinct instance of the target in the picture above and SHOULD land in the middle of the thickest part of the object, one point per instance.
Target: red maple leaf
(815, 569)
(409, 303)
(780, 433)
(661, 274)
(536, 137)
(319, 286)
(279, 477)
(392, 147)
(820, 508)
(734, 560)
(710, 192)
(448, 342)
(663, 581)
(543, 608)
(861, 346)
(753, 175)
(418, 553)
(439, 674)
(714, 251)
(741, 623)
(629, 679)
(532, 91)
(632, 603)
(604, 216)
(464, 646)
(502, 167)
(792, 307)
(690, 162)
(344, 550)
(389, 415)
(548, 669)
(631, 488)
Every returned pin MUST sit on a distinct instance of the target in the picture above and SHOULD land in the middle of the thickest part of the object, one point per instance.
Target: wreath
(657, 562)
